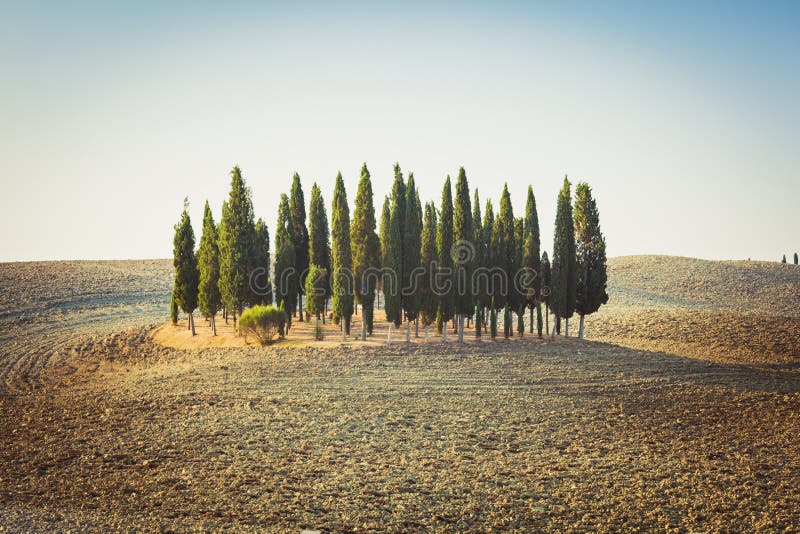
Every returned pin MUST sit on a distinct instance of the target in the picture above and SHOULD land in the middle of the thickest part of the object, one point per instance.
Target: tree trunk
(214, 324)
(191, 319)
(416, 327)
(580, 328)
(444, 333)
(408, 331)
(344, 330)
(427, 333)
(300, 305)
(566, 327)
(546, 318)
(530, 329)
(363, 324)
(461, 328)
(389, 335)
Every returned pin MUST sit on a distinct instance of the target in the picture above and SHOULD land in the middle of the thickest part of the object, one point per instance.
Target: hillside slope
(735, 311)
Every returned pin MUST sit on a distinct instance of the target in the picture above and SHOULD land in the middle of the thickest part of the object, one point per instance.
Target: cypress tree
(486, 287)
(531, 260)
(285, 272)
(784, 259)
(517, 303)
(564, 268)
(342, 257)
(503, 252)
(185, 263)
(545, 289)
(386, 215)
(261, 283)
(795, 258)
(297, 212)
(444, 247)
(479, 261)
(394, 251)
(412, 243)
(590, 292)
(319, 242)
(236, 246)
(366, 251)
(209, 299)
(316, 287)
(464, 252)
(428, 300)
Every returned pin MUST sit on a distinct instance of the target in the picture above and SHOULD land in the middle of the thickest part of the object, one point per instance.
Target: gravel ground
(687, 422)
(562, 436)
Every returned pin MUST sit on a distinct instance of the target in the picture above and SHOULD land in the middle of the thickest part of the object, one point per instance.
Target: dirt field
(119, 433)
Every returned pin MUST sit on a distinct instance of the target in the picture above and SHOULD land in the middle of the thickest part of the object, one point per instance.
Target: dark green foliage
(285, 272)
(260, 281)
(297, 214)
(531, 258)
(342, 256)
(319, 242)
(795, 258)
(564, 267)
(591, 253)
(412, 239)
(507, 327)
(386, 215)
(209, 299)
(546, 278)
(539, 319)
(185, 263)
(444, 249)
(429, 302)
(236, 246)
(393, 279)
(478, 320)
(316, 290)
(503, 252)
(783, 260)
(518, 292)
(463, 236)
(173, 308)
(485, 286)
(262, 322)
(365, 248)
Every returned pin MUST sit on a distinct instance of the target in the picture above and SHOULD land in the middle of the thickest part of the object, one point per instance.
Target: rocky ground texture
(118, 433)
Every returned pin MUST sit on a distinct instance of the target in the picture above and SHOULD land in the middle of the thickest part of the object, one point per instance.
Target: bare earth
(686, 418)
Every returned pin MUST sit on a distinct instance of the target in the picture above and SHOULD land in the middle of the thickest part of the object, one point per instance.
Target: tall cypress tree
(591, 250)
(342, 256)
(464, 252)
(444, 248)
(386, 215)
(209, 300)
(185, 263)
(297, 211)
(486, 287)
(504, 253)
(394, 251)
(261, 284)
(480, 259)
(412, 242)
(564, 275)
(285, 272)
(429, 302)
(366, 251)
(319, 242)
(545, 289)
(795, 258)
(236, 246)
(531, 260)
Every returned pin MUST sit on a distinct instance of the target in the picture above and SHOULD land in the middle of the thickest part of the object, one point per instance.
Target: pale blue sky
(684, 117)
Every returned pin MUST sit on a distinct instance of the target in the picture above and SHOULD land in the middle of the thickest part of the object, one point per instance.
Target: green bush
(263, 323)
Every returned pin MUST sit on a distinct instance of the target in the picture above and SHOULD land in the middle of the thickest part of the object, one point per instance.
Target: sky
(684, 117)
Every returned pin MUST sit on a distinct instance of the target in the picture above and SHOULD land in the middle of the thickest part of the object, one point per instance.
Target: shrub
(262, 322)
